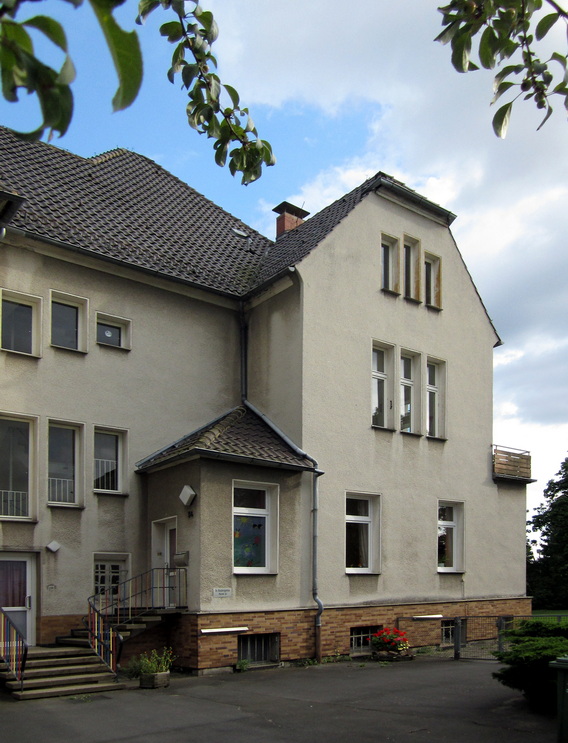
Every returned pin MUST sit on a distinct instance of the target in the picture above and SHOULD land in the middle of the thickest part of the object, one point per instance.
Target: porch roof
(239, 435)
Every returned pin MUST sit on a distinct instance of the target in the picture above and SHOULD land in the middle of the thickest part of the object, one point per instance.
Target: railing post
(457, 638)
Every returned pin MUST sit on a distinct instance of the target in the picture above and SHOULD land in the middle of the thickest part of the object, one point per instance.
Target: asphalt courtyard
(418, 702)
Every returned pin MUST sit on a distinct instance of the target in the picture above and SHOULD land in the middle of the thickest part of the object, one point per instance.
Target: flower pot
(392, 656)
(155, 680)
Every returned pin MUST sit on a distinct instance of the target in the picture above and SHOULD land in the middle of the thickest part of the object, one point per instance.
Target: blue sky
(342, 92)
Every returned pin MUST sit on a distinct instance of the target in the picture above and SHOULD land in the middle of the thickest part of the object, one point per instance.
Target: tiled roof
(123, 207)
(238, 435)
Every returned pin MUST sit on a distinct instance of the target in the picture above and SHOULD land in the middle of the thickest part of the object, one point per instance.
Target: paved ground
(418, 702)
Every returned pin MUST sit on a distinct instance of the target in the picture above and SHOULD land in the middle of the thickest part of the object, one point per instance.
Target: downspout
(243, 351)
(317, 473)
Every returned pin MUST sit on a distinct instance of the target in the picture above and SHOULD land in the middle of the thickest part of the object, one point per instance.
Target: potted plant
(155, 668)
(390, 644)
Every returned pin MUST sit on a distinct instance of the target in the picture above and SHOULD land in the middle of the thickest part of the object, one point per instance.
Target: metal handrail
(13, 647)
(159, 588)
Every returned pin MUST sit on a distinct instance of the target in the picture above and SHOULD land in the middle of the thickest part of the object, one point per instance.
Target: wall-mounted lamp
(187, 496)
(53, 546)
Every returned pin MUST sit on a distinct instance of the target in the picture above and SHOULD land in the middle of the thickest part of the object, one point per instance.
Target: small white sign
(222, 593)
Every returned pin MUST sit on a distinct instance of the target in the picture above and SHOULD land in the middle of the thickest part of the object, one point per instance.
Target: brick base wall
(49, 628)
(196, 651)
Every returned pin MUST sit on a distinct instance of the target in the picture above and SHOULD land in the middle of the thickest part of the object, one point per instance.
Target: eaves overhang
(389, 185)
(198, 453)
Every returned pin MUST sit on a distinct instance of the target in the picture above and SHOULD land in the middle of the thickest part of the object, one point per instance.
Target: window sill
(441, 439)
(73, 350)
(434, 307)
(382, 428)
(76, 506)
(442, 571)
(361, 571)
(254, 571)
(116, 348)
(22, 353)
(411, 433)
(111, 492)
(412, 300)
(390, 292)
(20, 519)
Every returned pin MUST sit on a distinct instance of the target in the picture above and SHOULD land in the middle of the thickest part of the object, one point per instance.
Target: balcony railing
(511, 464)
(61, 490)
(13, 503)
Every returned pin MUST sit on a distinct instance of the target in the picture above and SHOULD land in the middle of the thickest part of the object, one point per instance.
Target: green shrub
(527, 666)
(152, 662)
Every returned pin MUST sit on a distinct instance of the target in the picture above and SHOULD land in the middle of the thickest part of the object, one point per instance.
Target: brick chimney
(289, 217)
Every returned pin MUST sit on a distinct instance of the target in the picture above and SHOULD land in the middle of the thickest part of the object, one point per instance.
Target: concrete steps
(63, 671)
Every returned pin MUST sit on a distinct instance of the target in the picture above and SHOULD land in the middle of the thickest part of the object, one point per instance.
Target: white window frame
(35, 303)
(436, 391)
(410, 390)
(382, 386)
(390, 264)
(61, 498)
(372, 522)
(455, 525)
(270, 516)
(5, 497)
(432, 281)
(120, 462)
(271, 519)
(81, 304)
(122, 323)
(411, 268)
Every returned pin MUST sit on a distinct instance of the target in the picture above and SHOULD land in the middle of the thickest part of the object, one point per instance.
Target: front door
(17, 591)
(164, 548)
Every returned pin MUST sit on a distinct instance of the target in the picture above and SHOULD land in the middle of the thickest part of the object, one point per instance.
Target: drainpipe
(244, 352)
(317, 473)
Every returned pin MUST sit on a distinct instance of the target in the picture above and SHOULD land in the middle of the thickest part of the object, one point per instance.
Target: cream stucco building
(292, 439)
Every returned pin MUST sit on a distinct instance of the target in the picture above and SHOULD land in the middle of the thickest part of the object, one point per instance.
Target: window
(62, 464)
(108, 466)
(432, 281)
(68, 321)
(259, 649)
(360, 639)
(14, 467)
(381, 387)
(407, 394)
(113, 331)
(255, 520)
(411, 269)
(110, 570)
(433, 399)
(20, 323)
(389, 264)
(450, 537)
(361, 534)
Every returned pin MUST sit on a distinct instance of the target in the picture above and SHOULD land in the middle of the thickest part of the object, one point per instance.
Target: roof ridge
(214, 432)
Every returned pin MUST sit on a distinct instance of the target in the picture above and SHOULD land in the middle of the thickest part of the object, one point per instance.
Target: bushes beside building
(533, 645)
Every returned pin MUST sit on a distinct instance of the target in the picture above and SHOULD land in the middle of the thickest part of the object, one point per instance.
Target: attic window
(9, 205)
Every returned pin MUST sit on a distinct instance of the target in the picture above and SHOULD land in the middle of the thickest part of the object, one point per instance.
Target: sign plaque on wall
(222, 593)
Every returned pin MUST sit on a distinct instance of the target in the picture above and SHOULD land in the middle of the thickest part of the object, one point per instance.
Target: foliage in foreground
(150, 662)
(534, 644)
(547, 575)
(508, 35)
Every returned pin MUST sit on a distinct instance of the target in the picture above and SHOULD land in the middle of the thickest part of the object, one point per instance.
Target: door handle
(28, 602)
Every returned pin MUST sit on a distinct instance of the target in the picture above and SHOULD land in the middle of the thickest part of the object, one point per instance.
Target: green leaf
(501, 120)
(67, 72)
(125, 52)
(488, 48)
(189, 73)
(234, 96)
(145, 7)
(50, 28)
(173, 30)
(461, 47)
(502, 88)
(548, 115)
(544, 26)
